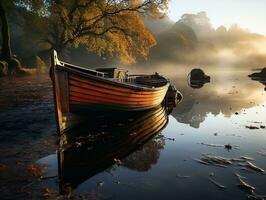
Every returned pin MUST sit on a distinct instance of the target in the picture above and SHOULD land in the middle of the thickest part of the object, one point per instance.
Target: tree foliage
(107, 27)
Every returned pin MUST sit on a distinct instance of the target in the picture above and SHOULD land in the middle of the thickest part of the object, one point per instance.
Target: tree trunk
(6, 49)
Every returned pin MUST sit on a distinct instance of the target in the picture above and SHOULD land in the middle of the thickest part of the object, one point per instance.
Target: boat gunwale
(62, 66)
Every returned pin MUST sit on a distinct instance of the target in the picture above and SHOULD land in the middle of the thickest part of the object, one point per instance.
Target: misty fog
(194, 41)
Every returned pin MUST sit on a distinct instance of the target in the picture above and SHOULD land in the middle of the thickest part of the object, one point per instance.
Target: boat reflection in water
(104, 140)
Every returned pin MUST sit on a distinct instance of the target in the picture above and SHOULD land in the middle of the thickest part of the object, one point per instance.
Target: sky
(248, 14)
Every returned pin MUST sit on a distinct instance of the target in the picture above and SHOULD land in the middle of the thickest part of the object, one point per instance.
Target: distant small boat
(79, 90)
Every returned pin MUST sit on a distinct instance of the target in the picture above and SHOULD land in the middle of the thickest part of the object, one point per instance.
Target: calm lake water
(149, 155)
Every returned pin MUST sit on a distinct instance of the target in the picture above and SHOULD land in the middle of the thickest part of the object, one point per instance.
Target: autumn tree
(107, 27)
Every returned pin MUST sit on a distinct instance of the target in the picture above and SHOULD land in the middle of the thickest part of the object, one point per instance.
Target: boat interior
(121, 75)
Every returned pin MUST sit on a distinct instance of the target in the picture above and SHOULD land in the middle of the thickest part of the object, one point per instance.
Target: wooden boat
(78, 89)
(91, 147)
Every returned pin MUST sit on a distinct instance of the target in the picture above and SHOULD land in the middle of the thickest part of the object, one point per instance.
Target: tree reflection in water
(226, 95)
(143, 159)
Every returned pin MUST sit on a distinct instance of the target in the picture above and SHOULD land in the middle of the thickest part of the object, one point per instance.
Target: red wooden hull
(96, 94)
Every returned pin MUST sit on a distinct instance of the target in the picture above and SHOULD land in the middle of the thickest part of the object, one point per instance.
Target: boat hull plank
(90, 93)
